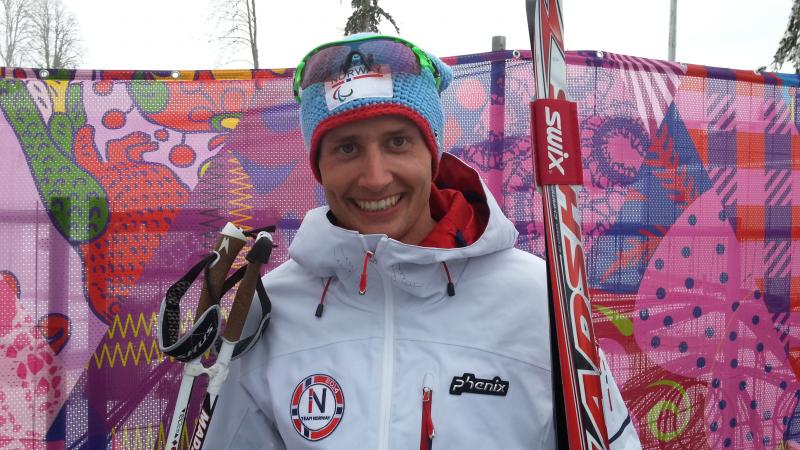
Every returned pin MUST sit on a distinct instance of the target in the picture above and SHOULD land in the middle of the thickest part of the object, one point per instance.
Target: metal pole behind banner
(498, 43)
(497, 120)
(673, 19)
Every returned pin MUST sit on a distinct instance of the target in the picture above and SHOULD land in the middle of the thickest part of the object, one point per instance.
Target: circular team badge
(317, 407)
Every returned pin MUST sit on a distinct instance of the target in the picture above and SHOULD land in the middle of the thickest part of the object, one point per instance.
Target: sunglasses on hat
(333, 60)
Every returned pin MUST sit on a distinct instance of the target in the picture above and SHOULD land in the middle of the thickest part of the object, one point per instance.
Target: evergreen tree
(366, 17)
(789, 48)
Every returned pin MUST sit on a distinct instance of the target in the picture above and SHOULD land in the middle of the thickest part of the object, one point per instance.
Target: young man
(404, 307)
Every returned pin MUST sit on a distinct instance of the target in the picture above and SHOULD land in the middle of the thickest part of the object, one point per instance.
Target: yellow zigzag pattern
(117, 326)
(241, 179)
(135, 327)
(137, 352)
(146, 437)
(143, 438)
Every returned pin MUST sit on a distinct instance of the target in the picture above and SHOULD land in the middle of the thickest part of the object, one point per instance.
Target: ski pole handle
(256, 257)
(191, 346)
(230, 243)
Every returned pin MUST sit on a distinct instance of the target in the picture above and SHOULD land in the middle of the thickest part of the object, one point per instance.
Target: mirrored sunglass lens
(328, 63)
(323, 65)
(395, 54)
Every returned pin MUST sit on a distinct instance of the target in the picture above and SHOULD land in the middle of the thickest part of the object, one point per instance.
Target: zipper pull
(451, 288)
(362, 285)
(321, 305)
(427, 432)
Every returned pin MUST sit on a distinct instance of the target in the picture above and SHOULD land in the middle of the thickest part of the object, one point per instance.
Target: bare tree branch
(253, 27)
(236, 20)
(15, 26)
(55, 42)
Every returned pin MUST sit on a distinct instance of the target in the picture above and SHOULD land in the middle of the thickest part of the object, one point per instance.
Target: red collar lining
(453, 210)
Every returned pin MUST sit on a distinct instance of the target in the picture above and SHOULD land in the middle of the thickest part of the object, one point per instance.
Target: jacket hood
(329, 251)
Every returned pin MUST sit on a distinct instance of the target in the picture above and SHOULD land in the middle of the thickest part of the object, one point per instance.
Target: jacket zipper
(362, 284)
(427, 431)
(388, 367)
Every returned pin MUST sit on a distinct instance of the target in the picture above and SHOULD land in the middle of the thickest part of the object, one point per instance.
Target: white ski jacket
(354, 378)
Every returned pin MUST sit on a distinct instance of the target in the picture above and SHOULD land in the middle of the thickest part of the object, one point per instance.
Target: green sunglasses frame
(425, 61)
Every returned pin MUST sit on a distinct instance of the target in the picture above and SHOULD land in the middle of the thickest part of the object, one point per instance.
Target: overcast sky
(177, 34)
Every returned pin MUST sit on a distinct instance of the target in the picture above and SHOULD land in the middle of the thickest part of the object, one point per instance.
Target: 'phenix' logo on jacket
(470, 384)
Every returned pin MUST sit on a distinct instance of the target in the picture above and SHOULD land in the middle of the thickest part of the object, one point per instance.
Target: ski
(577, 394)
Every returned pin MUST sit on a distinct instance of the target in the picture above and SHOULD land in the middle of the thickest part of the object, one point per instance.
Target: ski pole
(258, 256)
(190, 347)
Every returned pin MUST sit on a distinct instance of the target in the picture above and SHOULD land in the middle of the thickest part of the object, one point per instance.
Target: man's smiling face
(376, 174)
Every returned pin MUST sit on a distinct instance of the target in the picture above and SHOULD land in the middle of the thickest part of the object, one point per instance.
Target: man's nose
(375, 170)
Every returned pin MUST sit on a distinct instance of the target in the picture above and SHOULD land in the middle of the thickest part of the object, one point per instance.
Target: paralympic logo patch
(359, 82)
(317, 407)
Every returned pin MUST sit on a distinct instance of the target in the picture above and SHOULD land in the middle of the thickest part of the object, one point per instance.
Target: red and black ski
(577, 395)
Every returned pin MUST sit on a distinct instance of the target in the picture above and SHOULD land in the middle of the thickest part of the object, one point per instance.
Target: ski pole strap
(197, 340)
(245, 344)
(206, 324)
(554, 124)
(256, 231)
(232, 280)
(235, 278)
(250, 286)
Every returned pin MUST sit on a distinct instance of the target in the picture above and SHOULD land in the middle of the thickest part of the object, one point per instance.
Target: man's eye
(398, 141)
(347, 149)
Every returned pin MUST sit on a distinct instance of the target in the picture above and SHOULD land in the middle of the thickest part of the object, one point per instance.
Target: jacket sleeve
(621, 432)
(238, 422)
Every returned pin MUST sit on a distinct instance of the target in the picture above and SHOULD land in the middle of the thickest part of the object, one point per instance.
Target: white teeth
(378, 205)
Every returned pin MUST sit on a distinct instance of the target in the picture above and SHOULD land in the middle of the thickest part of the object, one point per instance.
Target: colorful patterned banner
(115, 183)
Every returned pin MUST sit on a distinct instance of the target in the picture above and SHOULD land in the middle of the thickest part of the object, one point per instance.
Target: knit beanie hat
(359, 89)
